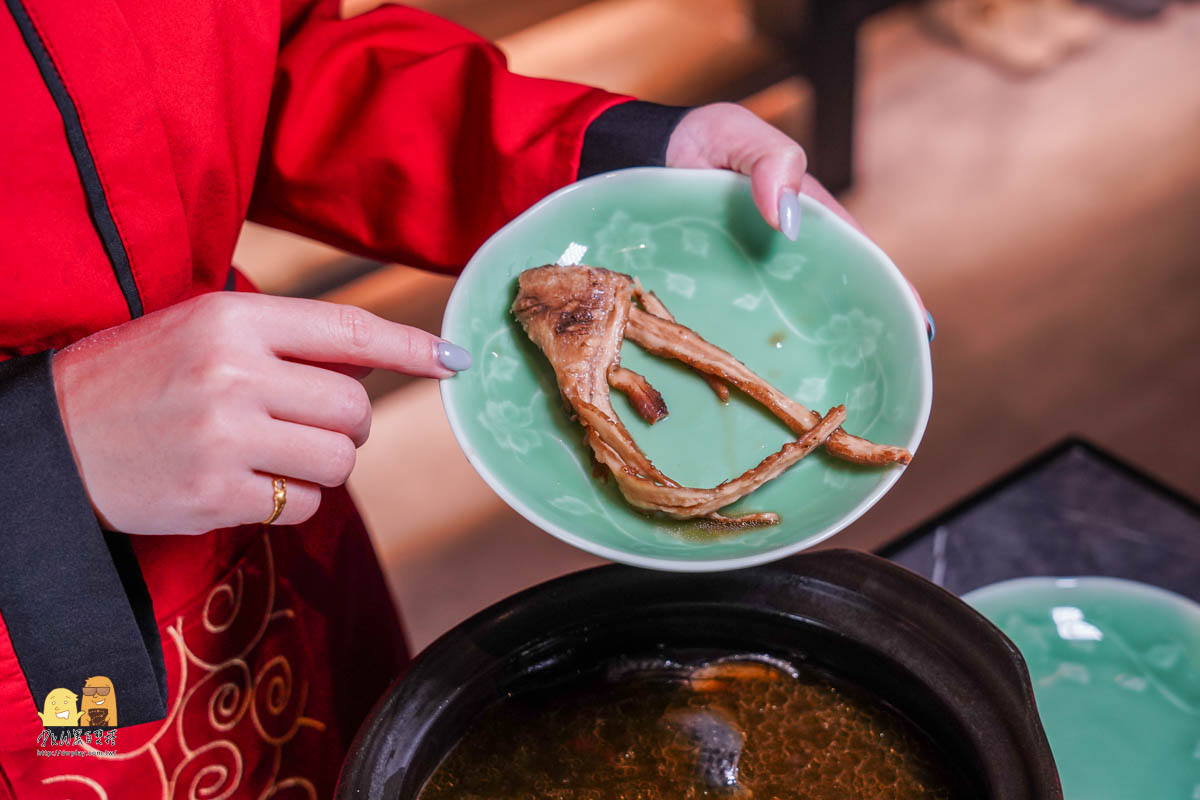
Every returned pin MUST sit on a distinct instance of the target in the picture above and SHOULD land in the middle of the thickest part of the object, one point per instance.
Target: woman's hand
(728, 136)
(178, 420)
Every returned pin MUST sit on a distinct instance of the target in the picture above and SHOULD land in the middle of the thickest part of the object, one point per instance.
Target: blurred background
(1033, 166)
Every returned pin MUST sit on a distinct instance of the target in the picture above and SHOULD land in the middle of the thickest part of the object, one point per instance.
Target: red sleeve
(403, 137)
(19, 720)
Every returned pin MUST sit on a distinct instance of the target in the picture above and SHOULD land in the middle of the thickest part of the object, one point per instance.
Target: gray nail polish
(451, 356)
(789, 214)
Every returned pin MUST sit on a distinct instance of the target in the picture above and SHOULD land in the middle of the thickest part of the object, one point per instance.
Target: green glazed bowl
(1115, 667)
(827, 319)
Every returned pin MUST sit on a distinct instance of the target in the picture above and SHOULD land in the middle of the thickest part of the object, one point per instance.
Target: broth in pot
(654, 729)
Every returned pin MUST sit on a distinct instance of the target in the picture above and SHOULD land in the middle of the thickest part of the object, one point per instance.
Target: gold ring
(280, 486)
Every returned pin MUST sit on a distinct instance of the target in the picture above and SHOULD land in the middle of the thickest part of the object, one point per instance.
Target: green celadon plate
(827, 319)
(1115, 667)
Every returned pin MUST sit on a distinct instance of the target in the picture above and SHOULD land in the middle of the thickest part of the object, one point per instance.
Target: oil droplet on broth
(804, 736)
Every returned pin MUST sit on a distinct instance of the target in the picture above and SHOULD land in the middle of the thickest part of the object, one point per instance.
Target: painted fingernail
(789, 214)
(932, 327)
(451, 356)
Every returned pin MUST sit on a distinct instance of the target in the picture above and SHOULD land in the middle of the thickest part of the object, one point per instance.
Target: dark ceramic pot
(859, 617)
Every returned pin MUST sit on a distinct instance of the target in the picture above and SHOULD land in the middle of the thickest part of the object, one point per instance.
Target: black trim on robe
(97, 203)
(72, 597)
(630, 134)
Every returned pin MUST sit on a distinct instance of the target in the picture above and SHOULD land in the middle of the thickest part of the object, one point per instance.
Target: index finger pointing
(315, 330)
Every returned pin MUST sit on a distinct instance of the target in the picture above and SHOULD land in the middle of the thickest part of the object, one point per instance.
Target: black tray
(1072, 510)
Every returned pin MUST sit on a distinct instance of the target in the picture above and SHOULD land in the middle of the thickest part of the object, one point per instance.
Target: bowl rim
(455, 309)
(1108, 584)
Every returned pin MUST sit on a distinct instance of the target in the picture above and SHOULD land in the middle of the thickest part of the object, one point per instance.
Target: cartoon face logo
(59, 709)
(99, 704)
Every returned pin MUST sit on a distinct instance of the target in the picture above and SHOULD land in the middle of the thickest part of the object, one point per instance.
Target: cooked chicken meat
(580, 315)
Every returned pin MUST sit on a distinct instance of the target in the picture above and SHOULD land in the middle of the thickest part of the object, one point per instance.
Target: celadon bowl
(1115, 667)
(827, 319)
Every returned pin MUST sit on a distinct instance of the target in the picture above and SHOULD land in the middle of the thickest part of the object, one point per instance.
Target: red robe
(395, 135)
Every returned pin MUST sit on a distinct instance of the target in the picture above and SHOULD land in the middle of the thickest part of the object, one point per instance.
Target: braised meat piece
(579, 317)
